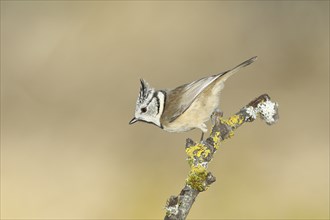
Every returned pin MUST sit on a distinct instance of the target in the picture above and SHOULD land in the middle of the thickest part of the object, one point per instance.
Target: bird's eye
(143, 110)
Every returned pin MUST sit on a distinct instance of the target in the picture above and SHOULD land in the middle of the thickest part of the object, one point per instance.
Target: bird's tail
(228, 73)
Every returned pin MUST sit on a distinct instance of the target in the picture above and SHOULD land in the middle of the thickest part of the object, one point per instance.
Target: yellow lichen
(196, 178)
(197, 150)
(216, 140)
(231, 134)
(192, 149)
(235, 121)
(206, 152)
(197, 175)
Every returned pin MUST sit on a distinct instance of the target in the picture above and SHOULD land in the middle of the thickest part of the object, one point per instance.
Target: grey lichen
(267, 110)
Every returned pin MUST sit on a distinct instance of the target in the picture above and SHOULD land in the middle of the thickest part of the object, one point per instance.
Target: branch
(201, 154)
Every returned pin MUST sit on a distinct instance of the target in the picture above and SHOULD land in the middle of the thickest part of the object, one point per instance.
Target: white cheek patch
(161, 98)
(153, 108)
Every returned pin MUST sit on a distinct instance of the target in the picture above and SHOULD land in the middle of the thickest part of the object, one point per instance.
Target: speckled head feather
(149, 105)
(144, 91)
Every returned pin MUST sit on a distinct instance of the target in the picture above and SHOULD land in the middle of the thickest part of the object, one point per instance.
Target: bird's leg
(204, 129)
(202, 137)
(217, 113)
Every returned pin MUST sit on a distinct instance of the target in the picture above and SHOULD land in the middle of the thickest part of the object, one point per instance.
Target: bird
(185, 107)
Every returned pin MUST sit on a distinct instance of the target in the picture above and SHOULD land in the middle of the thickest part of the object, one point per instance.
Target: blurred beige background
(69, 81)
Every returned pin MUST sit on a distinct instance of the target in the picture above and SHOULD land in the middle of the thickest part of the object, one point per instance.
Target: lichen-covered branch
(201, 154)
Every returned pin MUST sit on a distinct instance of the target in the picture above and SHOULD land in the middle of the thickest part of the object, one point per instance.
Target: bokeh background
(69, 81)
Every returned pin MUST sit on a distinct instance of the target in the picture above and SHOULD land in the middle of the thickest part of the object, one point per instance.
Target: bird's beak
(133, 121)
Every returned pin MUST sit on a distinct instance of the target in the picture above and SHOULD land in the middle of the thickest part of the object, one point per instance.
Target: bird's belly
(196, 115)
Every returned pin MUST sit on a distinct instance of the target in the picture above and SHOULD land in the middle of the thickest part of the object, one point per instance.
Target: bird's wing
(179, 99)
